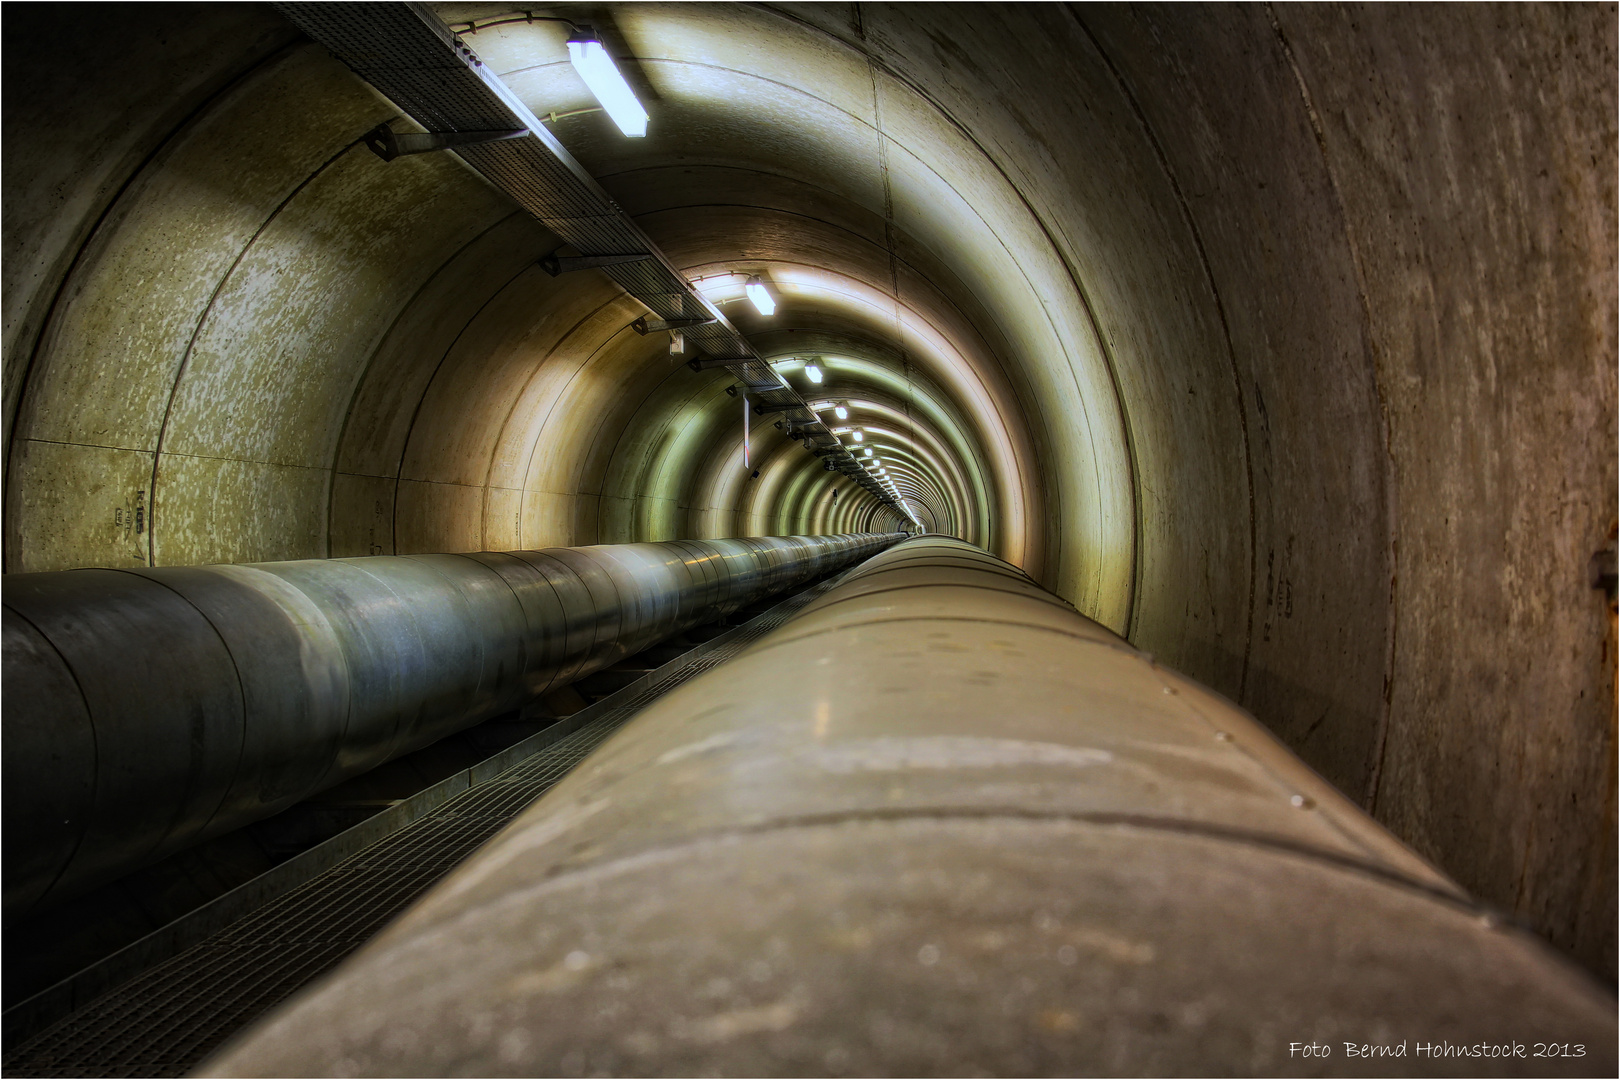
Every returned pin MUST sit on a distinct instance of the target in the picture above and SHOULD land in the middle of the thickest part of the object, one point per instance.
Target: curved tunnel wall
(1280, 340)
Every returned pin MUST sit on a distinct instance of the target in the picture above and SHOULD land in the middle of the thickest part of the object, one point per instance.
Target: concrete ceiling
(1280, 340)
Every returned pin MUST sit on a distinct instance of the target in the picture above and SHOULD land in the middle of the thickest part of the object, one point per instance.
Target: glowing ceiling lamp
(858, 436)
(843, 414)
(812, 370)
(763, 302)
(601, 74)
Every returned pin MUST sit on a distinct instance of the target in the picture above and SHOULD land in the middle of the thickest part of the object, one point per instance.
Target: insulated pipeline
(149, 709)
(940, 824)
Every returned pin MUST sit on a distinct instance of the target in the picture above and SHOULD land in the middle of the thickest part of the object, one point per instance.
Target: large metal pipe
(941, 824)
(148, 709)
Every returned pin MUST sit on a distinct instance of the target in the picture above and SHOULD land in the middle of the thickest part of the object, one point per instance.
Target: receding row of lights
(765, 304)
(607, 84)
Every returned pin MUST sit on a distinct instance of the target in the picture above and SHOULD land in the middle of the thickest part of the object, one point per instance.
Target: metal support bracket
(567, 264)
(1600, 569)
(708, 363)
(645, 326)
(389, 144)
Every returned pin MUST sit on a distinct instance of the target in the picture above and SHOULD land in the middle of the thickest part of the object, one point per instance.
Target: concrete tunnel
(1277, 342)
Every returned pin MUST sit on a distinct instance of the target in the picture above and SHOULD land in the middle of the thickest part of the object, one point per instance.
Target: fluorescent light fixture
(761, 297)
(602, 75)
(868, 451)
(811, 369)
(843, 414)
(858, 436)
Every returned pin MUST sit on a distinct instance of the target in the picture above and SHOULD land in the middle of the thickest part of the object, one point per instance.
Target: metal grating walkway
(166, 1020)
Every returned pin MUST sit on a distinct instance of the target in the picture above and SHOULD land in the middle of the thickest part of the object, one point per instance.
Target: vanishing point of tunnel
(810, 539)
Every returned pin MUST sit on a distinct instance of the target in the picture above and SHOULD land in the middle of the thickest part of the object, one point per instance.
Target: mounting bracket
(645, 326)
(567, 264)
(710, 362)
(389, 144)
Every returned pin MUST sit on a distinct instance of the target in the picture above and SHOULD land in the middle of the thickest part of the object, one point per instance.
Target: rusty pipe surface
(938, 824)
(149, 709)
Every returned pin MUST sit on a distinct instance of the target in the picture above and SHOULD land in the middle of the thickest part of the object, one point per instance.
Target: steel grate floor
(166, 1020)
